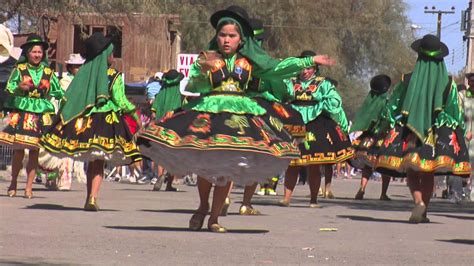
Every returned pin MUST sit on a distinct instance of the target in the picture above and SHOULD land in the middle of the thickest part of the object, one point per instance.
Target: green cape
(424, 96)
(89, 87)
(370, 111)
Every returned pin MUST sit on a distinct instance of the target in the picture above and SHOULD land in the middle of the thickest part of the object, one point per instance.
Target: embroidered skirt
(220, 147)
(24, 129)
(324, 143)
(100, 136)
(444, 152)
(365, 151)
(291, 118)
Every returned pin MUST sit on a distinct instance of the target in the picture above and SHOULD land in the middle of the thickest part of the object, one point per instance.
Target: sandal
(196, 221)
(417, 213)
(216, 228)
(248, 210)
(11, 191)
(359, 195)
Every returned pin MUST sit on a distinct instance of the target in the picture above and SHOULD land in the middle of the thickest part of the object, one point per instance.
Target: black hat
(95, 45)
(236, 12)
(430, 46)
(34, 39)
(461, 87)
(172, 77)
(380, 84)
(469, 75)
(259, 32)
(306, 53)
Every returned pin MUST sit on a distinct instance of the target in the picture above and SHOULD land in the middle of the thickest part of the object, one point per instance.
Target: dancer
(169, 98)
(90, 126)
(262, 93)
(58, 171)
(225, 136)
(367, 121)
(31, 85)
(326, 141)
(426, 135)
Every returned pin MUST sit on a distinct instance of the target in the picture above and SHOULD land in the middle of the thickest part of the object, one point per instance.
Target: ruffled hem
(324, 158)
(18, 141)
(114, 150)
(441, 165)
(218, 166)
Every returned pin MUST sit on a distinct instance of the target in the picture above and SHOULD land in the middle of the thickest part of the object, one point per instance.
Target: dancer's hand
(469, 135)
(324, 60)
(24, 85)
(208, 60)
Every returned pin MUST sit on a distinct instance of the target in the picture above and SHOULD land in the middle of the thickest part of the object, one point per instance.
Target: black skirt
(444, 152)
(365, 151)
(324, 143)
(220, 147)
(100, 136)
(291, 118)
(24, 129)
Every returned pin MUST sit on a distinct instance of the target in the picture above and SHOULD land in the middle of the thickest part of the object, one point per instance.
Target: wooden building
(144, 44)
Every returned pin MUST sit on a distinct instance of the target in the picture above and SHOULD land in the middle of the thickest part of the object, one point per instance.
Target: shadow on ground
(56, 207)
(184, 229)
(188, 211)
(458, 241)
(372, 219)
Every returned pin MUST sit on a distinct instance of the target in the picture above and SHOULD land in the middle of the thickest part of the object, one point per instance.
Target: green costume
(169, 98)
(324, 93)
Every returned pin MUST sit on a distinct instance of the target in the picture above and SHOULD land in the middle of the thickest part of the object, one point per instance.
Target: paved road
(138, 226)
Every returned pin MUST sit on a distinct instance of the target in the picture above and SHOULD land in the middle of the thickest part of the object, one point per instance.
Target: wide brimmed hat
(431, 47)
(236, 12)
(380, 84)
(75, 59)
(158, 75)
(6, 41)
(306, 53)
(172, 76)
(469, 75)
(95, 45)
(259, 32)
(32, 40)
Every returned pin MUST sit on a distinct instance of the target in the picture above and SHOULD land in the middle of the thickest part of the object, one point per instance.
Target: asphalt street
(140, 227)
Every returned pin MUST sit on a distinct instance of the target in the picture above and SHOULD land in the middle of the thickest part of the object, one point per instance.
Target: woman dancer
(225, 136)
(90, 125)
(326, 141)
(367, 121)
(30, 86)
(426, 135)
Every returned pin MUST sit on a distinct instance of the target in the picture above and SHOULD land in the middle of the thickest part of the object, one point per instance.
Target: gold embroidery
(329, 139)
(81, 126)
(111, 118)
(276, 123)
(238, 121)
(47, 120)
(34, 94)
(47, 70)
(111, 71)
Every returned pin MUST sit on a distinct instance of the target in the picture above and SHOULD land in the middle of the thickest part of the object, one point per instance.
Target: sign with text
(184, 63)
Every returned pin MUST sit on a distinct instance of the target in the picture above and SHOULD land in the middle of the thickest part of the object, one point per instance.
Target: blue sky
(451, 33)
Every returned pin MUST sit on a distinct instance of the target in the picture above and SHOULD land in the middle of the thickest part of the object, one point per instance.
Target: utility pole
(440, 14)
(468, 27)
